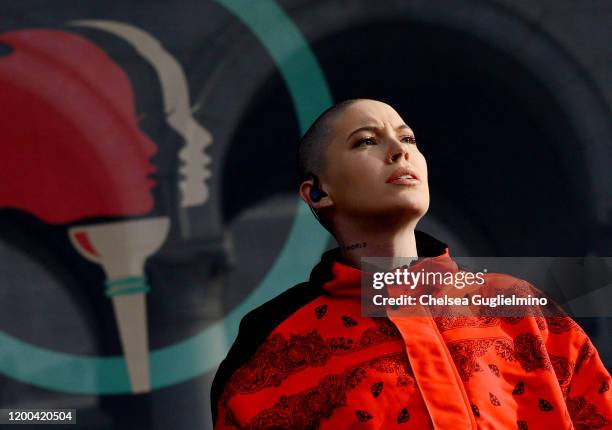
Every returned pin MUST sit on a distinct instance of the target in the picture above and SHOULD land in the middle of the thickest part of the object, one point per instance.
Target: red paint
(70, 146)
(85, 243)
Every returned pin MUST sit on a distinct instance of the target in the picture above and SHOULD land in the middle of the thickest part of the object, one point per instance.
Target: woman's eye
(369, 141)
(409, 139)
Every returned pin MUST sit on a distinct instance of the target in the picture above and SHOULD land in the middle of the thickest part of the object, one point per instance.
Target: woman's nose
(397, 150)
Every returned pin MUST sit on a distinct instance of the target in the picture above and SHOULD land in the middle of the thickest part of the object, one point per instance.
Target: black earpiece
(316, 193)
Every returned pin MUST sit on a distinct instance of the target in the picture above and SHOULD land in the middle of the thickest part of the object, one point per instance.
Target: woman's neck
(383, 240)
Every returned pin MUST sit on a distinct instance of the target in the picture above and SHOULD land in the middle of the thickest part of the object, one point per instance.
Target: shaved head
(313, 145)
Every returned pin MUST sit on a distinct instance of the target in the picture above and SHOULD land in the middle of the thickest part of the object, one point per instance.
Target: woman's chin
(409, 210)
(384, 206)
(411, 203)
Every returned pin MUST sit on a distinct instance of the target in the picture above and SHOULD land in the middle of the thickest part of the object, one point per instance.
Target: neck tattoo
(355, 245)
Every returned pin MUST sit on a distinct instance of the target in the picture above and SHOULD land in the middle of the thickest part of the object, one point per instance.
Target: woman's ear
(313, 195)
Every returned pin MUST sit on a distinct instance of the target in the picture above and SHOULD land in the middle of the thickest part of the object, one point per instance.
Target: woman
(309, 358)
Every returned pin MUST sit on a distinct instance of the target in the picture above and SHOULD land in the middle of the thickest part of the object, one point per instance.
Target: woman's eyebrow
(404, 126)
(374, 129)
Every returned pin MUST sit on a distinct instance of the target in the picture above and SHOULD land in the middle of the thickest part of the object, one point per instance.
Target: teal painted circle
(306, 241)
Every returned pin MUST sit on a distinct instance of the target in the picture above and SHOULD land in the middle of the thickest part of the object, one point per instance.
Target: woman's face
(370, 141)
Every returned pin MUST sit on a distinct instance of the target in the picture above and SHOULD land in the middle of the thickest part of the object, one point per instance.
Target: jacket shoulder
(253, 330)
(280, 307)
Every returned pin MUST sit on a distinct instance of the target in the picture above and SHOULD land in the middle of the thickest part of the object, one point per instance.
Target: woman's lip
(400, 181)
(403, 171)
(150, 168)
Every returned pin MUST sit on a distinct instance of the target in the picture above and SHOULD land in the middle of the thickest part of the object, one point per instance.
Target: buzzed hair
(314, 143)
(313, 146)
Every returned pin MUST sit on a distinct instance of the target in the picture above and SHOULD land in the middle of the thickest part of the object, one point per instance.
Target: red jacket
(308, 359)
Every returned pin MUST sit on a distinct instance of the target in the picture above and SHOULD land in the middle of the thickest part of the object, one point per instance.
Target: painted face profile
(70, 146)
(195, 163)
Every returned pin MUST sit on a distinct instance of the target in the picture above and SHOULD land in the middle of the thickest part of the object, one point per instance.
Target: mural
(120, 248)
